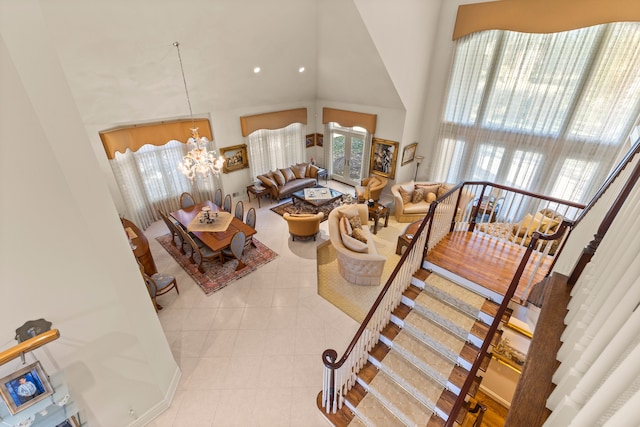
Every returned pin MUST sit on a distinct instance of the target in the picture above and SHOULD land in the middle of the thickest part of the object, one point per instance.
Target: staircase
(417, 369)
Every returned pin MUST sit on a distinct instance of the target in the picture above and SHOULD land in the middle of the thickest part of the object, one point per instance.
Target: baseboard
(495, 397)
(162, 405)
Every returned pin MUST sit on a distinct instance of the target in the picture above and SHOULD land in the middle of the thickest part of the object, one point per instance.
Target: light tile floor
(250, 354)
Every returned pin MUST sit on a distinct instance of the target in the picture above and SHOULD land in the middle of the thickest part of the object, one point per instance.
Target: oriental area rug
(356, 300)
(301, 207)
(217, 275)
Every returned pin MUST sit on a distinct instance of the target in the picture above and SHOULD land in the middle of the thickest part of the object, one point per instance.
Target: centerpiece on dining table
(206, 216)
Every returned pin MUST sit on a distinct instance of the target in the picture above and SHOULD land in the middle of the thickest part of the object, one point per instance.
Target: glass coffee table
(316, 196)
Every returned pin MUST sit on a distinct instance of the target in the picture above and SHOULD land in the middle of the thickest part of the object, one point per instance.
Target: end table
(376, 212)
(258, 191)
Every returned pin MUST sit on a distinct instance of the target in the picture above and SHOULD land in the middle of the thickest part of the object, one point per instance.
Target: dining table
(215, 240)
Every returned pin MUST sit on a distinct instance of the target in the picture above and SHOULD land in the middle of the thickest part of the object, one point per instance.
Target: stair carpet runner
(416, 370)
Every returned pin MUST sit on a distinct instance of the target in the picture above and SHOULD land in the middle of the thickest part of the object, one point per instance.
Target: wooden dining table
(216, 240)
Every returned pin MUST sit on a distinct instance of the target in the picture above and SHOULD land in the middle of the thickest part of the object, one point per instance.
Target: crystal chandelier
(198, 161)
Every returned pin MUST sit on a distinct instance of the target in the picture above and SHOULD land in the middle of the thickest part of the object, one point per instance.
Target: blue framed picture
(25, 387)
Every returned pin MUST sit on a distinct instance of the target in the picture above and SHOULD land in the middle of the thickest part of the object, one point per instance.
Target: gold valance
(542, 16)
(350, 119)
(275, 120)
(134, 137)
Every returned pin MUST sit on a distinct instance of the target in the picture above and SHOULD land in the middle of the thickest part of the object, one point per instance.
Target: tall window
(149, 180)
(279, 148)
(548, 113)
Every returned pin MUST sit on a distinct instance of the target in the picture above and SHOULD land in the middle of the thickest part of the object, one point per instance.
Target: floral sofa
(358, 259)
(412, 199)
(284, 182)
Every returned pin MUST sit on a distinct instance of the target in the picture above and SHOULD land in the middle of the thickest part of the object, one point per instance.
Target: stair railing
(339, 375)
(457, 406)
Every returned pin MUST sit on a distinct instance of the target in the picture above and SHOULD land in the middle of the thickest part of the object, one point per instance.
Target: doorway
(348, 151)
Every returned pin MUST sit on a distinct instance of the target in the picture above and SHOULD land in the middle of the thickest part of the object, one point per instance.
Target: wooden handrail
(28, 345)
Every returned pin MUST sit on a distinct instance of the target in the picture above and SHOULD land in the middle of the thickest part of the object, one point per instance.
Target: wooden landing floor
(487, 261)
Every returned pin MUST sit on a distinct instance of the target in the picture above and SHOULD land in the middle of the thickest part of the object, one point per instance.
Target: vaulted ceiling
(122, 67)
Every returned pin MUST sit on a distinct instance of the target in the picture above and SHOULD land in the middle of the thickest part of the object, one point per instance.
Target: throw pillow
(299, 171)
(354, 244)
(288, 174)
(355, 222)
(431, 197)
(429, 188)
(408, 186)
(419, 194)
(358, 233)
(267, 181)
(277, 175)
(406, 195)
(345, 227)
(313, 171)
(443, 189)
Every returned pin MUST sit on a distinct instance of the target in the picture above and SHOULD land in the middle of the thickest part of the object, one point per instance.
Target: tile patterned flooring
(250, 354)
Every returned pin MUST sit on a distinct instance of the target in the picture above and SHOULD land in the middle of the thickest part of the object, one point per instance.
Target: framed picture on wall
(319, 141)
(25, 387)
(384, 155)
(409, 153)
(310, 140)
(235, 158)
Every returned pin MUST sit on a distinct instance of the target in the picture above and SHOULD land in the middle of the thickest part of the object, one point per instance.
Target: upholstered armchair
(303, 225)
(371, 188)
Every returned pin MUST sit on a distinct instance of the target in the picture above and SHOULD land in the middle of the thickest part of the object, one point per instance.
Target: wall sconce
(419, 160)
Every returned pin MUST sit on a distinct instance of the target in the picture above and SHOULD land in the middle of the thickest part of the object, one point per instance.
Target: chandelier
(198, 161)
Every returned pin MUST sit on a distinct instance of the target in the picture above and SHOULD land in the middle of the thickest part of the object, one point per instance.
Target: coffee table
(331, 196)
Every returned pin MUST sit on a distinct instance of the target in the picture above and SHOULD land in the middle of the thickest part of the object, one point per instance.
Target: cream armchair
(373, 185)
(303, 225)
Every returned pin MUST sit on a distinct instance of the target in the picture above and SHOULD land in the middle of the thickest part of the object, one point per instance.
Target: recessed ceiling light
(256, 70)
(301, 70)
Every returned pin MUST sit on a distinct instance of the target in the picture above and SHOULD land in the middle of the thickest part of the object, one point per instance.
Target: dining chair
(186, 200)
(235, 249)
(176, 237)
(251, 222)
(227, 203)
(158, 284)
(218, 198)
(239, 212)
(198, 249)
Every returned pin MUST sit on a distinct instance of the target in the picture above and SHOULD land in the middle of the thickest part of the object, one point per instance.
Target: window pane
(572, 181)
(536, 79)
(523, 169)
(471, 68)
(611, 95)
(487, 163)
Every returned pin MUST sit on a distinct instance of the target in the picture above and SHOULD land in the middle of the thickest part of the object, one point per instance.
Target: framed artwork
(310, 140)
(235, 158)
(409, 153)
(25, 387)
(384, 155)
(319, 138)
(69, 422)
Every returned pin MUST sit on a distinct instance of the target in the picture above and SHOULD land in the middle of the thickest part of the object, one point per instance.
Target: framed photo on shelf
(235, 158)
(384, 155)
(25, 387)
(409, 153)
(319, 140)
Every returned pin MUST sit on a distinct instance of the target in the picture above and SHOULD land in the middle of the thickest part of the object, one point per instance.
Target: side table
(258, 192)
(376, 212)
(322, 173)
(405, 238)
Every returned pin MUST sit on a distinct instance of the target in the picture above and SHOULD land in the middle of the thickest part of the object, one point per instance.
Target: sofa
(303, 225)
(371, 188)
(281, 183)
(413, 199)
(358, 261)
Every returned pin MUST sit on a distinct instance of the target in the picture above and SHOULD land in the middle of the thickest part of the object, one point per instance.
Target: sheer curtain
(278, 148)
(548, 113)
(149, 180)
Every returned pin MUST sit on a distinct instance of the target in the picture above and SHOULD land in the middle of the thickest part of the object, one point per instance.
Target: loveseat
(281, 183)
(358, 262)
(412, 199)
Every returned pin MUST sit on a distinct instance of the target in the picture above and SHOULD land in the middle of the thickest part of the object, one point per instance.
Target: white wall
(64, 255)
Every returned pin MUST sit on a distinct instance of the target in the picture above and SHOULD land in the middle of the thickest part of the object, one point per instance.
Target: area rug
(356, 300)
(217, 275)
(300, 207)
